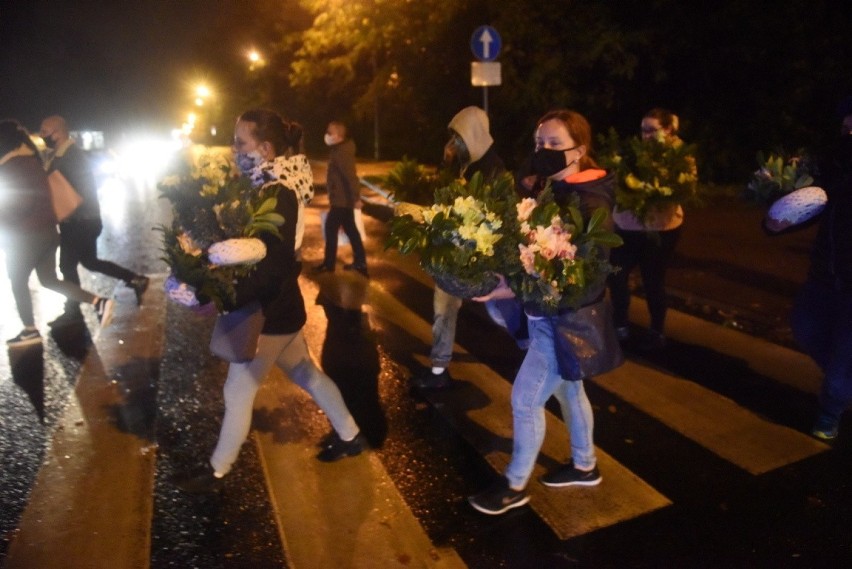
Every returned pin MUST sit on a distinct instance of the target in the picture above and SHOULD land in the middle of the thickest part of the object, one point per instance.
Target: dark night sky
(105, 65)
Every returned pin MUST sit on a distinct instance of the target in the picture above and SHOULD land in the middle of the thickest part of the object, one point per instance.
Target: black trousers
(343, 217)
(78, 245)
(652, 251)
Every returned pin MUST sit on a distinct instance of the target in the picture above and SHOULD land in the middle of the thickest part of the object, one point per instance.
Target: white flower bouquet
(217, 217)
(462, 238)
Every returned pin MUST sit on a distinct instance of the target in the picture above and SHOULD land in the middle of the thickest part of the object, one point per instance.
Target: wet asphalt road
(796, 516)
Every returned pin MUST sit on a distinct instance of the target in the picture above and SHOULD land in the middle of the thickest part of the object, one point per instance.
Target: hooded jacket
(472, 125)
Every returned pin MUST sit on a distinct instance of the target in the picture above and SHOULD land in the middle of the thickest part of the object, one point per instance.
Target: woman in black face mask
(562, 141)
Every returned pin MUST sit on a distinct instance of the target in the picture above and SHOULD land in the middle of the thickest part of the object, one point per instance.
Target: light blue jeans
(290, 353)
(536, 381)
(445, 314)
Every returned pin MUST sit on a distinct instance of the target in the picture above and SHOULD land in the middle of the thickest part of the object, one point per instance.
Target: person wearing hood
(563, 159)
(470, 149)
(268, 151)
(78, 235)
(30, 240)
(344, 197)
(822, 312)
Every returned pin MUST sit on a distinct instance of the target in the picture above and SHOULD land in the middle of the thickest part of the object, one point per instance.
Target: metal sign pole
(485, 99)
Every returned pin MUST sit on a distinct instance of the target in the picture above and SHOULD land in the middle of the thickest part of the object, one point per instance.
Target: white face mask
(331, 139)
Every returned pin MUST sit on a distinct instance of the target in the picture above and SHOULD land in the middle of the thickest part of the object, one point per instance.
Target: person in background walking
(78, 235)
(344, 197)
(563, 141)
(29, 231)
(648, 243)
(269, 148)
(469, 150)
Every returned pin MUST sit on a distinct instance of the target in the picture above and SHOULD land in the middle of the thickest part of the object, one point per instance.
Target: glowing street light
(255, 58)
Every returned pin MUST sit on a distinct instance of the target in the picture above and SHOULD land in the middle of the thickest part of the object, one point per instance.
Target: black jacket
(831, 257)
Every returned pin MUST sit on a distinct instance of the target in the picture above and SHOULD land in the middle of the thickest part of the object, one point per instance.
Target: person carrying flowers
(655, 174)
(470, 149)
(564, 226)
(268, 151)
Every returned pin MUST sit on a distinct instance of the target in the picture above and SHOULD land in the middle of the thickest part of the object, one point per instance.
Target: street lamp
(255, 58)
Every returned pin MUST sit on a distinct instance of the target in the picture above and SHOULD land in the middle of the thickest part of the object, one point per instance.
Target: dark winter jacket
(831, 257)
(490, 165)
(342, 181)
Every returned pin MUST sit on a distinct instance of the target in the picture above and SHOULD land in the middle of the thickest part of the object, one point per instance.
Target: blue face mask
(248, 161)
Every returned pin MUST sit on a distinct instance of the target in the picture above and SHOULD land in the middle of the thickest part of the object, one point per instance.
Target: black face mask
(49, 142)
(547, 161)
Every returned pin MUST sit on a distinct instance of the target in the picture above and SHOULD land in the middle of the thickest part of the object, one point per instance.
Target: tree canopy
(742, 76)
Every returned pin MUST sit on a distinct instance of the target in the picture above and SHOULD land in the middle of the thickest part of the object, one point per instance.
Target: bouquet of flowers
(466, 237)
(651, 174)
(217, 216)
(562, 258)
(778, 175)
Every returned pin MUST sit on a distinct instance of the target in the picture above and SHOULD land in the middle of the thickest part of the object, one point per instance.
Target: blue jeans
(536, 381)
(446, 311)
(822, 325)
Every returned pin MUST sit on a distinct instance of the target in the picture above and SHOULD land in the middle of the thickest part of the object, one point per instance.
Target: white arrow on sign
(486, 40)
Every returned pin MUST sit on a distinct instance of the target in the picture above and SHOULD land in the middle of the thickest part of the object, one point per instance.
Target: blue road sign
(485, 43)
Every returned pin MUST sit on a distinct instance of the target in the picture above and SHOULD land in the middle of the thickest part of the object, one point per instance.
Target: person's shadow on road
(349, 353)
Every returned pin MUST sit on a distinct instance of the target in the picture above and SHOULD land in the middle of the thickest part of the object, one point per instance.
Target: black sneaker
(567, 475)
(103, 309)
(357, 267)
(499, 498)
(428, 380)
(826, 427)
(201, 481)
(323, 268)
(336, 448)
(139, 284)
(25, 338)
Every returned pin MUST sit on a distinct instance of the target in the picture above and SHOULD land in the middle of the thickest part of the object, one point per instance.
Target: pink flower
(525, 208)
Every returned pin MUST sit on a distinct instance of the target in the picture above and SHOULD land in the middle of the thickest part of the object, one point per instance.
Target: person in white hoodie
(469, 150)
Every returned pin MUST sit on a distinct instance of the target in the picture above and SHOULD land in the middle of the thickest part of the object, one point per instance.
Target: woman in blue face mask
(562, 157)
(268, 150)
